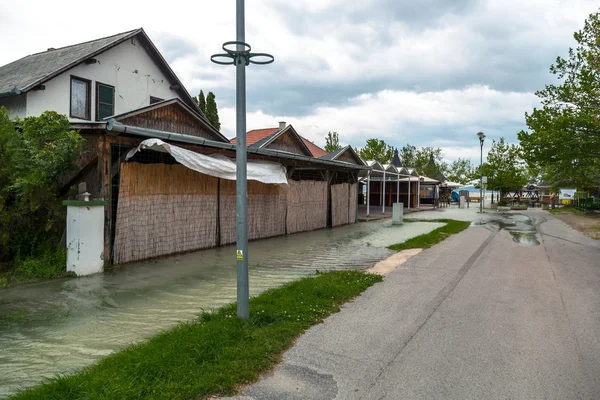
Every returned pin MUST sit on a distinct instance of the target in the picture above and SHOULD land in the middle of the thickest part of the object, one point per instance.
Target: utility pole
(238, 53)
(481, 137)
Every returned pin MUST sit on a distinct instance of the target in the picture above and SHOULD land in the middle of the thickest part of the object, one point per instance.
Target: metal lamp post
(238, 53)
(481, 137)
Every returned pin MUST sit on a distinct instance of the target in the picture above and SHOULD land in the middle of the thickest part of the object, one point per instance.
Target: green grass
(427, 240)
(50, 264)
(566, 209)
(217, 353)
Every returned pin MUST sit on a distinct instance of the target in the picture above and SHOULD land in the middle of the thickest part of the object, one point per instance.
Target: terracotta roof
(314, 149)
(257, 135)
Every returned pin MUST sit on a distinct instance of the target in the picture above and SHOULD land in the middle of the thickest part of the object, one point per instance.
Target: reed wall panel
(340, 204)
(267, 206)
(163, 209)
(307, 206)
(353, 203)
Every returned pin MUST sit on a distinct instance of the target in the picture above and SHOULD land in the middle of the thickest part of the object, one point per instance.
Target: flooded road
(61, 326)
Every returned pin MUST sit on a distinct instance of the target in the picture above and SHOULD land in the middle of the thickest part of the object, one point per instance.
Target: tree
(461, 171)
(504, 167)
(212, 113)
(377, 150)
(419, 158)
(34, 156)
(563, 141)
(200, 101)
(332, 142)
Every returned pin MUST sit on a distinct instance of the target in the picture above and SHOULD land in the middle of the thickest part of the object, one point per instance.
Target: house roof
(396, 161)
(26, 73)
(255, 136)
(118, 128)
(164, 103)
(334, 155)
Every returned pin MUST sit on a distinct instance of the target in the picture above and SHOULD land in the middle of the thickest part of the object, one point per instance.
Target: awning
(216, 165)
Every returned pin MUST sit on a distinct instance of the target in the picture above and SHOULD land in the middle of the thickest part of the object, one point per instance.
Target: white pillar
(409, 182)
(383, 195)
(398, 188)
(368, 193)
(419, 192)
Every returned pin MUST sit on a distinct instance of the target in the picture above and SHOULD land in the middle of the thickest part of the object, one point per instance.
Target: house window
(155, 100)
(80, 98)
(105, 101)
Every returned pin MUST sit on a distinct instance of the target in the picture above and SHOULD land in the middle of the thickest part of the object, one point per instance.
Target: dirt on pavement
(588, 224)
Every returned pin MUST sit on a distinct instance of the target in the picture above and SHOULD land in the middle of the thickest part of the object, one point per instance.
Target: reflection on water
(519, 226)
(60, 326)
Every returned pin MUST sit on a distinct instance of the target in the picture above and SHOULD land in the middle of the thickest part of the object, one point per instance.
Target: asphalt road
(478, 316)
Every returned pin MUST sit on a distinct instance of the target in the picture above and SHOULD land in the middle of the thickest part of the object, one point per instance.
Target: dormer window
(80, 98)
(105, 101)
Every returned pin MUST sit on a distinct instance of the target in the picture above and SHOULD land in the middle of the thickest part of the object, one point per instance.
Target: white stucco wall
(116, 67)
(16, 105)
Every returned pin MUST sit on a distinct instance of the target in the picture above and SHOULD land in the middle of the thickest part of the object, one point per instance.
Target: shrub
(35, 152)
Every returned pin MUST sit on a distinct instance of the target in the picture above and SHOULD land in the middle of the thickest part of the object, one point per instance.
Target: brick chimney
(281, 125)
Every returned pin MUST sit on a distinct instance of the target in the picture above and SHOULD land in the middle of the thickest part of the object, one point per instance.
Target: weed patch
(427, 240)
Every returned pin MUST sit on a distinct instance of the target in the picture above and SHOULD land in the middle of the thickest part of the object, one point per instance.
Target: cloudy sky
(428, 72)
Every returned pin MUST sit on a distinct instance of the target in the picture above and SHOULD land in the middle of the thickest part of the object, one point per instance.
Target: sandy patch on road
(391, 263)
(588, 224)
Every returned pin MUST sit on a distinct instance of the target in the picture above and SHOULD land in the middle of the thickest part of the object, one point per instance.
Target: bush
(35, 153)
(50, 264)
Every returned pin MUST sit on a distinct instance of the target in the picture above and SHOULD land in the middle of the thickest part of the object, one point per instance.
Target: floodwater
(519, 226)
(60, 326)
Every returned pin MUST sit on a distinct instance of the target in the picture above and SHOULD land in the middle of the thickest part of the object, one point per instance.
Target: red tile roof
(256, 135)
(259, 134)
(314, 149)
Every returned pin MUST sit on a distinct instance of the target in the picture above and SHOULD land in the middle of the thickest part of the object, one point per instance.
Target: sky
(427, 73)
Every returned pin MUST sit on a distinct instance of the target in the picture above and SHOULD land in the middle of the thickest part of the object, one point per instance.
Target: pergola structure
(385, 174)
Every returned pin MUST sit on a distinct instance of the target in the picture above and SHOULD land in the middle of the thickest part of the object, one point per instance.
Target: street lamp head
(481, 136)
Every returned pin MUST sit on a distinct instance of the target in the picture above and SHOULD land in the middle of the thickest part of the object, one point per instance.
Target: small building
(119, 92)
(391, 183)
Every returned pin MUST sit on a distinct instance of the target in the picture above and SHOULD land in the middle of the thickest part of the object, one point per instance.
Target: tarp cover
(217, 165)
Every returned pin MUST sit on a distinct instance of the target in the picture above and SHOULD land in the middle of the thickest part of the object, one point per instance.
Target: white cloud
(432, 82)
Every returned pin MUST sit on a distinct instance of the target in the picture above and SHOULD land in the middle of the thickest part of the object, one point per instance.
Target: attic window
(154, 100)
(80, 98)
(105, 101)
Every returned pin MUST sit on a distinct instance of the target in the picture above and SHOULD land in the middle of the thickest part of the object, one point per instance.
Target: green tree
(420, 158)
(504, 167)
(212, 113)
(332, 142)
(200, 101)
(563, 140)
(33, 156)
(377, 150)
(461, 171)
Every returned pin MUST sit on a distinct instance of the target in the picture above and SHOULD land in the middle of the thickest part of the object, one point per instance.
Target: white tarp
(217, 165)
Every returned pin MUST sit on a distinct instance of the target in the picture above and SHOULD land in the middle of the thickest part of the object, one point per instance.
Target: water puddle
(61, 326)
(519, 226)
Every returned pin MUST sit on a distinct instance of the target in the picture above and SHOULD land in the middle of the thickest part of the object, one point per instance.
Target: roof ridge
(88, 41)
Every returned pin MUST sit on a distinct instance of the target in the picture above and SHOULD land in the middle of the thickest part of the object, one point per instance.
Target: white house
(92, 80)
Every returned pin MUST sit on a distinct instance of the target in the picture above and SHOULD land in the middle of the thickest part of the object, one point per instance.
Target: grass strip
(427, 240)
(217, 353)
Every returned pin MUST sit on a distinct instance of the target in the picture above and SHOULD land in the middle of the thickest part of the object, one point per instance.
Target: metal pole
(243, 308)
(409, 191)
(398, 189)
(383, 195)
(481, 177)
(419, 192)
(368, 193)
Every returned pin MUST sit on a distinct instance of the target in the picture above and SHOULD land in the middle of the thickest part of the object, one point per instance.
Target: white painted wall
(116, 67)
(16, 105)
